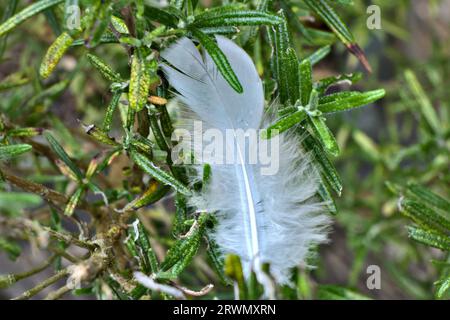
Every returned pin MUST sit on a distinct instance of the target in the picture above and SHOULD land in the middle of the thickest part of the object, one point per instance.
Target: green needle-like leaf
(325, 136)
(73, 201)
(107, 120)
(319, 54)
(327, 169)
(147, 250)
(12, 151)
(216, 259)
(149, 167)
(179, 250)
(424, 216)
(326, 196)
(58, 149)
(442, 287)
(306, 84)
(367, 145)
(323, 9)
(284, 63)
(161, 16)
(234, 18)
(14, 80)
(106, 71)
(429, 238)
(429, 198)
(153, 194)
(219, 59)
(11, 248)
(333, 292)
(343, 101)
(284, 124)
(139, 80)
(426, 108)
(26, 13)
(54, 54)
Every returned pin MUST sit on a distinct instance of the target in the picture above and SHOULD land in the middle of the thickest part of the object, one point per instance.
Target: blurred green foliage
(403, 143)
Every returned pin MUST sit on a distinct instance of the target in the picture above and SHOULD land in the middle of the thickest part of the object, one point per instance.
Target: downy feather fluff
(271, 219)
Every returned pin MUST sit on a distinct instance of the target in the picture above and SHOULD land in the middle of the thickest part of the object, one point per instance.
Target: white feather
(271, 219)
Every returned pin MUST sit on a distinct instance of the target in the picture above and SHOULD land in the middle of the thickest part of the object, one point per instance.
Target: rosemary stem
(55, 295)
(10, 279)
(41, 286)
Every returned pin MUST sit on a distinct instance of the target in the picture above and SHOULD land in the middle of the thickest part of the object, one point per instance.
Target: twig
(8, 280)
(55, 295)
(153, 285)
(71, 239)
(203, 291)
(49, 195)
(42, 149)
(65, 255)
(44, 284)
